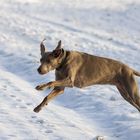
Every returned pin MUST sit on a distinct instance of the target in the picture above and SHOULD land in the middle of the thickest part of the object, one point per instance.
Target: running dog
(79, 69)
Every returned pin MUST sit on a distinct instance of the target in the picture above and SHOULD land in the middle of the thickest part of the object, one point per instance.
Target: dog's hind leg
(126, 96)
(57, 91)
(132, 89)
(130, 86)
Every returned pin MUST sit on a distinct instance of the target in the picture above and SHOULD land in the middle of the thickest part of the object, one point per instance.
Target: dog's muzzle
(40, 71)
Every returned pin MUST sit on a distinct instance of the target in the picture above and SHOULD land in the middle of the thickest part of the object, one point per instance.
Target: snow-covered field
(109, 28)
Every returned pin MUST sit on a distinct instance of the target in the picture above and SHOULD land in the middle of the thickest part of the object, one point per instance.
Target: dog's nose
(39, 71)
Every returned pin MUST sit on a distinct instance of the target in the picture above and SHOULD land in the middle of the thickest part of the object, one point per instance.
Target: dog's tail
(136, 73)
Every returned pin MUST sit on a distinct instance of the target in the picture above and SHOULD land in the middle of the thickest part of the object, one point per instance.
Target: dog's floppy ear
(57, 52)
(58, 46)
(42, 47)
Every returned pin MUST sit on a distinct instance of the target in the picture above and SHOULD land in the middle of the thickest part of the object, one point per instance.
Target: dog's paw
(40, 87)
(37, 109)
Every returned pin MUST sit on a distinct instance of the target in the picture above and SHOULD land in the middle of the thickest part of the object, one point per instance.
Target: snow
(100, 27)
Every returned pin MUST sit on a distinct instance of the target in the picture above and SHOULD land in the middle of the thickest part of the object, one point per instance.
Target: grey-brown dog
(78, 69)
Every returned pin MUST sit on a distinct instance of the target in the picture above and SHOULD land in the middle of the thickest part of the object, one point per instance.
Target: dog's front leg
(41, 86)
(45, 101)
(67, 82)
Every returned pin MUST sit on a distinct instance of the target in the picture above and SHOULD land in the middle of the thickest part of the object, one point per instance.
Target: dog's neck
(63, 60)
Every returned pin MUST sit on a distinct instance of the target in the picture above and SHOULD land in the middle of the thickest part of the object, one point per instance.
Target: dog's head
(50, 60)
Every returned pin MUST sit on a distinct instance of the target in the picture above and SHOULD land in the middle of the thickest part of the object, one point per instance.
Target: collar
(63, 60)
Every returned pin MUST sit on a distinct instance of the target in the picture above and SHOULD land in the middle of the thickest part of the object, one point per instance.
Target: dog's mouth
(41, 73)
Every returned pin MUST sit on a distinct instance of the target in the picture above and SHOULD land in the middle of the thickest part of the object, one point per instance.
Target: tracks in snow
(17, 102)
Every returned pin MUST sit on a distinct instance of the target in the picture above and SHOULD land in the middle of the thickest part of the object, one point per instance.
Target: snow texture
(109, 28)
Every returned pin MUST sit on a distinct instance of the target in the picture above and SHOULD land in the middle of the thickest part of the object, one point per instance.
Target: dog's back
(86, 69)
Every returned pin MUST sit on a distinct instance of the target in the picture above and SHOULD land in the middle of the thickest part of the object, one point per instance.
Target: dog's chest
(60, 75)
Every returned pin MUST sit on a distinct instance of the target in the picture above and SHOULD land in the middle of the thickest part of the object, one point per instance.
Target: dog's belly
(86, 81)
